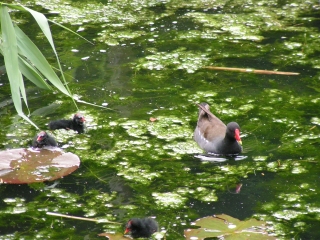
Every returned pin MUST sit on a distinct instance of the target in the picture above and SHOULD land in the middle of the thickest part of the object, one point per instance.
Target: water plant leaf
(23, 57)
(44, 25)
(68, 29)
(114, 236)
(228, 227)
(9, 50)
(120, 236)
(22, 165)
(29, 49)
(31, 73)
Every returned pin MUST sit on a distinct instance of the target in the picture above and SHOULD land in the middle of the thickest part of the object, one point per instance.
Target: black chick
(77, 123)
(141, 227)
(43, 139)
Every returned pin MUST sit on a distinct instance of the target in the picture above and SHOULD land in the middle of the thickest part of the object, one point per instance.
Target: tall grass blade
(10, 54)
(44, 25)
(68, 29)
(28, 49)
(31, 73)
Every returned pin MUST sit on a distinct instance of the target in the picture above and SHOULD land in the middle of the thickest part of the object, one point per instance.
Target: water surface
(148, 61)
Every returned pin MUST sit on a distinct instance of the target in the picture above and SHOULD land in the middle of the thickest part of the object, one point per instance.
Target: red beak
(126, 231)
(237, 136)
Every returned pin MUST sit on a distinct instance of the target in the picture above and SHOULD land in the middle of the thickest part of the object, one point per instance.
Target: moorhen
(43, 139)
(141, 227)
(213, 136)
(77, 123)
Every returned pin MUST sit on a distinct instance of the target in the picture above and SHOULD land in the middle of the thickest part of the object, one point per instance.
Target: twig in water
(249, 70)
(80, 218)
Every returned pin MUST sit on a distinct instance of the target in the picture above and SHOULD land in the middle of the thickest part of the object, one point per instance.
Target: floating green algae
(169, 199)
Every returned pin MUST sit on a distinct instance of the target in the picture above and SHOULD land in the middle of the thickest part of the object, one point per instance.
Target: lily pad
(229, 228)
(119, 236)
(114, 236)
(22, 165)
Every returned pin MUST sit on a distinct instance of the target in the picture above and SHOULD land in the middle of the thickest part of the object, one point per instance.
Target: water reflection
(219, 158)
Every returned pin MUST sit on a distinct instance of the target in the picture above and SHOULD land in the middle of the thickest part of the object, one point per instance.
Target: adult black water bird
(213, 136)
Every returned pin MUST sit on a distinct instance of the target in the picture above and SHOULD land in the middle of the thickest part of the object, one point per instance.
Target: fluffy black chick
(43, 139)
(77, 123)
(141, 227)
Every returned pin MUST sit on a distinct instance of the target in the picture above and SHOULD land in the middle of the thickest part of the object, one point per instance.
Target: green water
(147, 61)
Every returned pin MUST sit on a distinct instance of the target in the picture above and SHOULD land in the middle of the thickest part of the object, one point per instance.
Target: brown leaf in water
(152, 119)
(114, 236)
(23, 165)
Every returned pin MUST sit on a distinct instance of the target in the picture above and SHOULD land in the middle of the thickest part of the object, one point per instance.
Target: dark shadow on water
(239, 202)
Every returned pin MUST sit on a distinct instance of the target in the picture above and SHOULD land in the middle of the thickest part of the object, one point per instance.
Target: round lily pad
(114, 236)
(23, 165)
(229, 228)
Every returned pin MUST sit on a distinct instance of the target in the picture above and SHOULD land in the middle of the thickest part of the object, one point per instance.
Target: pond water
(148, 61)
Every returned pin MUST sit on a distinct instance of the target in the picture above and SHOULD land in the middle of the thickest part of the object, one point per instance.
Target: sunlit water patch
(179, 59)
(169, 199)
